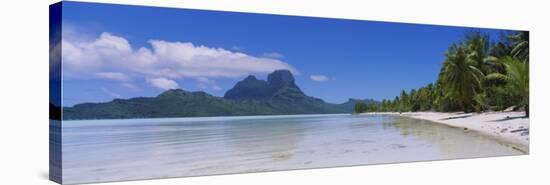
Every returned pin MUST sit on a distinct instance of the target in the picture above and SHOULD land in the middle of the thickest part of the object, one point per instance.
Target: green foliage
(494, 79)
(518, 80)
(520, 49)
(461, 77)
(180, 103)
(350, 104)
(360, 107)
(476, 47)
(476, 76)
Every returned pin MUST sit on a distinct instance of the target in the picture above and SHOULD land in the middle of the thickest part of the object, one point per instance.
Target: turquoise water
(114, 150)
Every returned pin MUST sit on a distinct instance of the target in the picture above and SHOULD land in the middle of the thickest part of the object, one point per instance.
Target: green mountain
(279, 83)
(278, 95)
(281, 93)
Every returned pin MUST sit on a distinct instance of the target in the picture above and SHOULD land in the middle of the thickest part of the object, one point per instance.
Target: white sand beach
(511, 128)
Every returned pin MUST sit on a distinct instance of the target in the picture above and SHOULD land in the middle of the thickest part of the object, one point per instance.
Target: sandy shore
(511, 128)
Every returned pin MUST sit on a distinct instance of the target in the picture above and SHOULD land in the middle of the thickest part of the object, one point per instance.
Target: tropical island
(279, 95)
(482, 86)
(181, 93)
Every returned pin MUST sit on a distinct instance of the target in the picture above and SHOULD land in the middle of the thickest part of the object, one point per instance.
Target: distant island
(279, 95)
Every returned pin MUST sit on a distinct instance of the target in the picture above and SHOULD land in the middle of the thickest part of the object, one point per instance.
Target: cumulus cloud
(84, 57)
(319, 78)
(162, 83)
(113, 57)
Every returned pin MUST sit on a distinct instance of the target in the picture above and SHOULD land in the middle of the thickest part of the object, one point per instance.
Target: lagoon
(129, 149)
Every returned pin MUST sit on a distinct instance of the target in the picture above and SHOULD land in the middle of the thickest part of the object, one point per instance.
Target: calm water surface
(114, 150)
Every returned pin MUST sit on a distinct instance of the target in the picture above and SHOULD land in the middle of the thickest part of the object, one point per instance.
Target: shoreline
(203, 117)
(510, 128)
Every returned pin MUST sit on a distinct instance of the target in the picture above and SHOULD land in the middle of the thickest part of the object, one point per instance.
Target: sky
(116, 51)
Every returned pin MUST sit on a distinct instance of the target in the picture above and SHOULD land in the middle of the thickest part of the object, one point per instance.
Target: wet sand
(511, 128)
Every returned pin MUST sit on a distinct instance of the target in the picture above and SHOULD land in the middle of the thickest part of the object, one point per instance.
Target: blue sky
(113, 51)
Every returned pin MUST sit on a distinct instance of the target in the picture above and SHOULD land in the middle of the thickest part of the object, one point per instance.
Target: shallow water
(114, 150)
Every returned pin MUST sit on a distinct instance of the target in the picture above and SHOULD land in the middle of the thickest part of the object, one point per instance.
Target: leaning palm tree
(460, 77)
(517, 75)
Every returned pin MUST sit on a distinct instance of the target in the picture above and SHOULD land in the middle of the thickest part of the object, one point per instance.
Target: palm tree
(403, 103)
(478, 48)
(460, 77)
(518, 80)
(520, 46)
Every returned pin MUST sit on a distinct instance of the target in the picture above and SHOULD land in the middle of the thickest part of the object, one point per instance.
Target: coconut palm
(518, 80)
(520, 46)
(478, 47)
(460, 77)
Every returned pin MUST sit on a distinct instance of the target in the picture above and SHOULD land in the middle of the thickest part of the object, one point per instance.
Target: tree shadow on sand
(457, 117)
(510, 118)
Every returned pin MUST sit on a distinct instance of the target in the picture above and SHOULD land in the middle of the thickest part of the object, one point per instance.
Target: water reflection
(451, 142)
(263, 138)
(109, 150)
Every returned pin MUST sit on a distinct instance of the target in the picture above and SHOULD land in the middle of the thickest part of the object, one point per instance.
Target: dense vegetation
(477, 75)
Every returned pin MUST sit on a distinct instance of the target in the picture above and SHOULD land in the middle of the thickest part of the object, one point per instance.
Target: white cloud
(84, 57)
(164, 59)
(162, 83)
(319, 78)
(113, 76)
